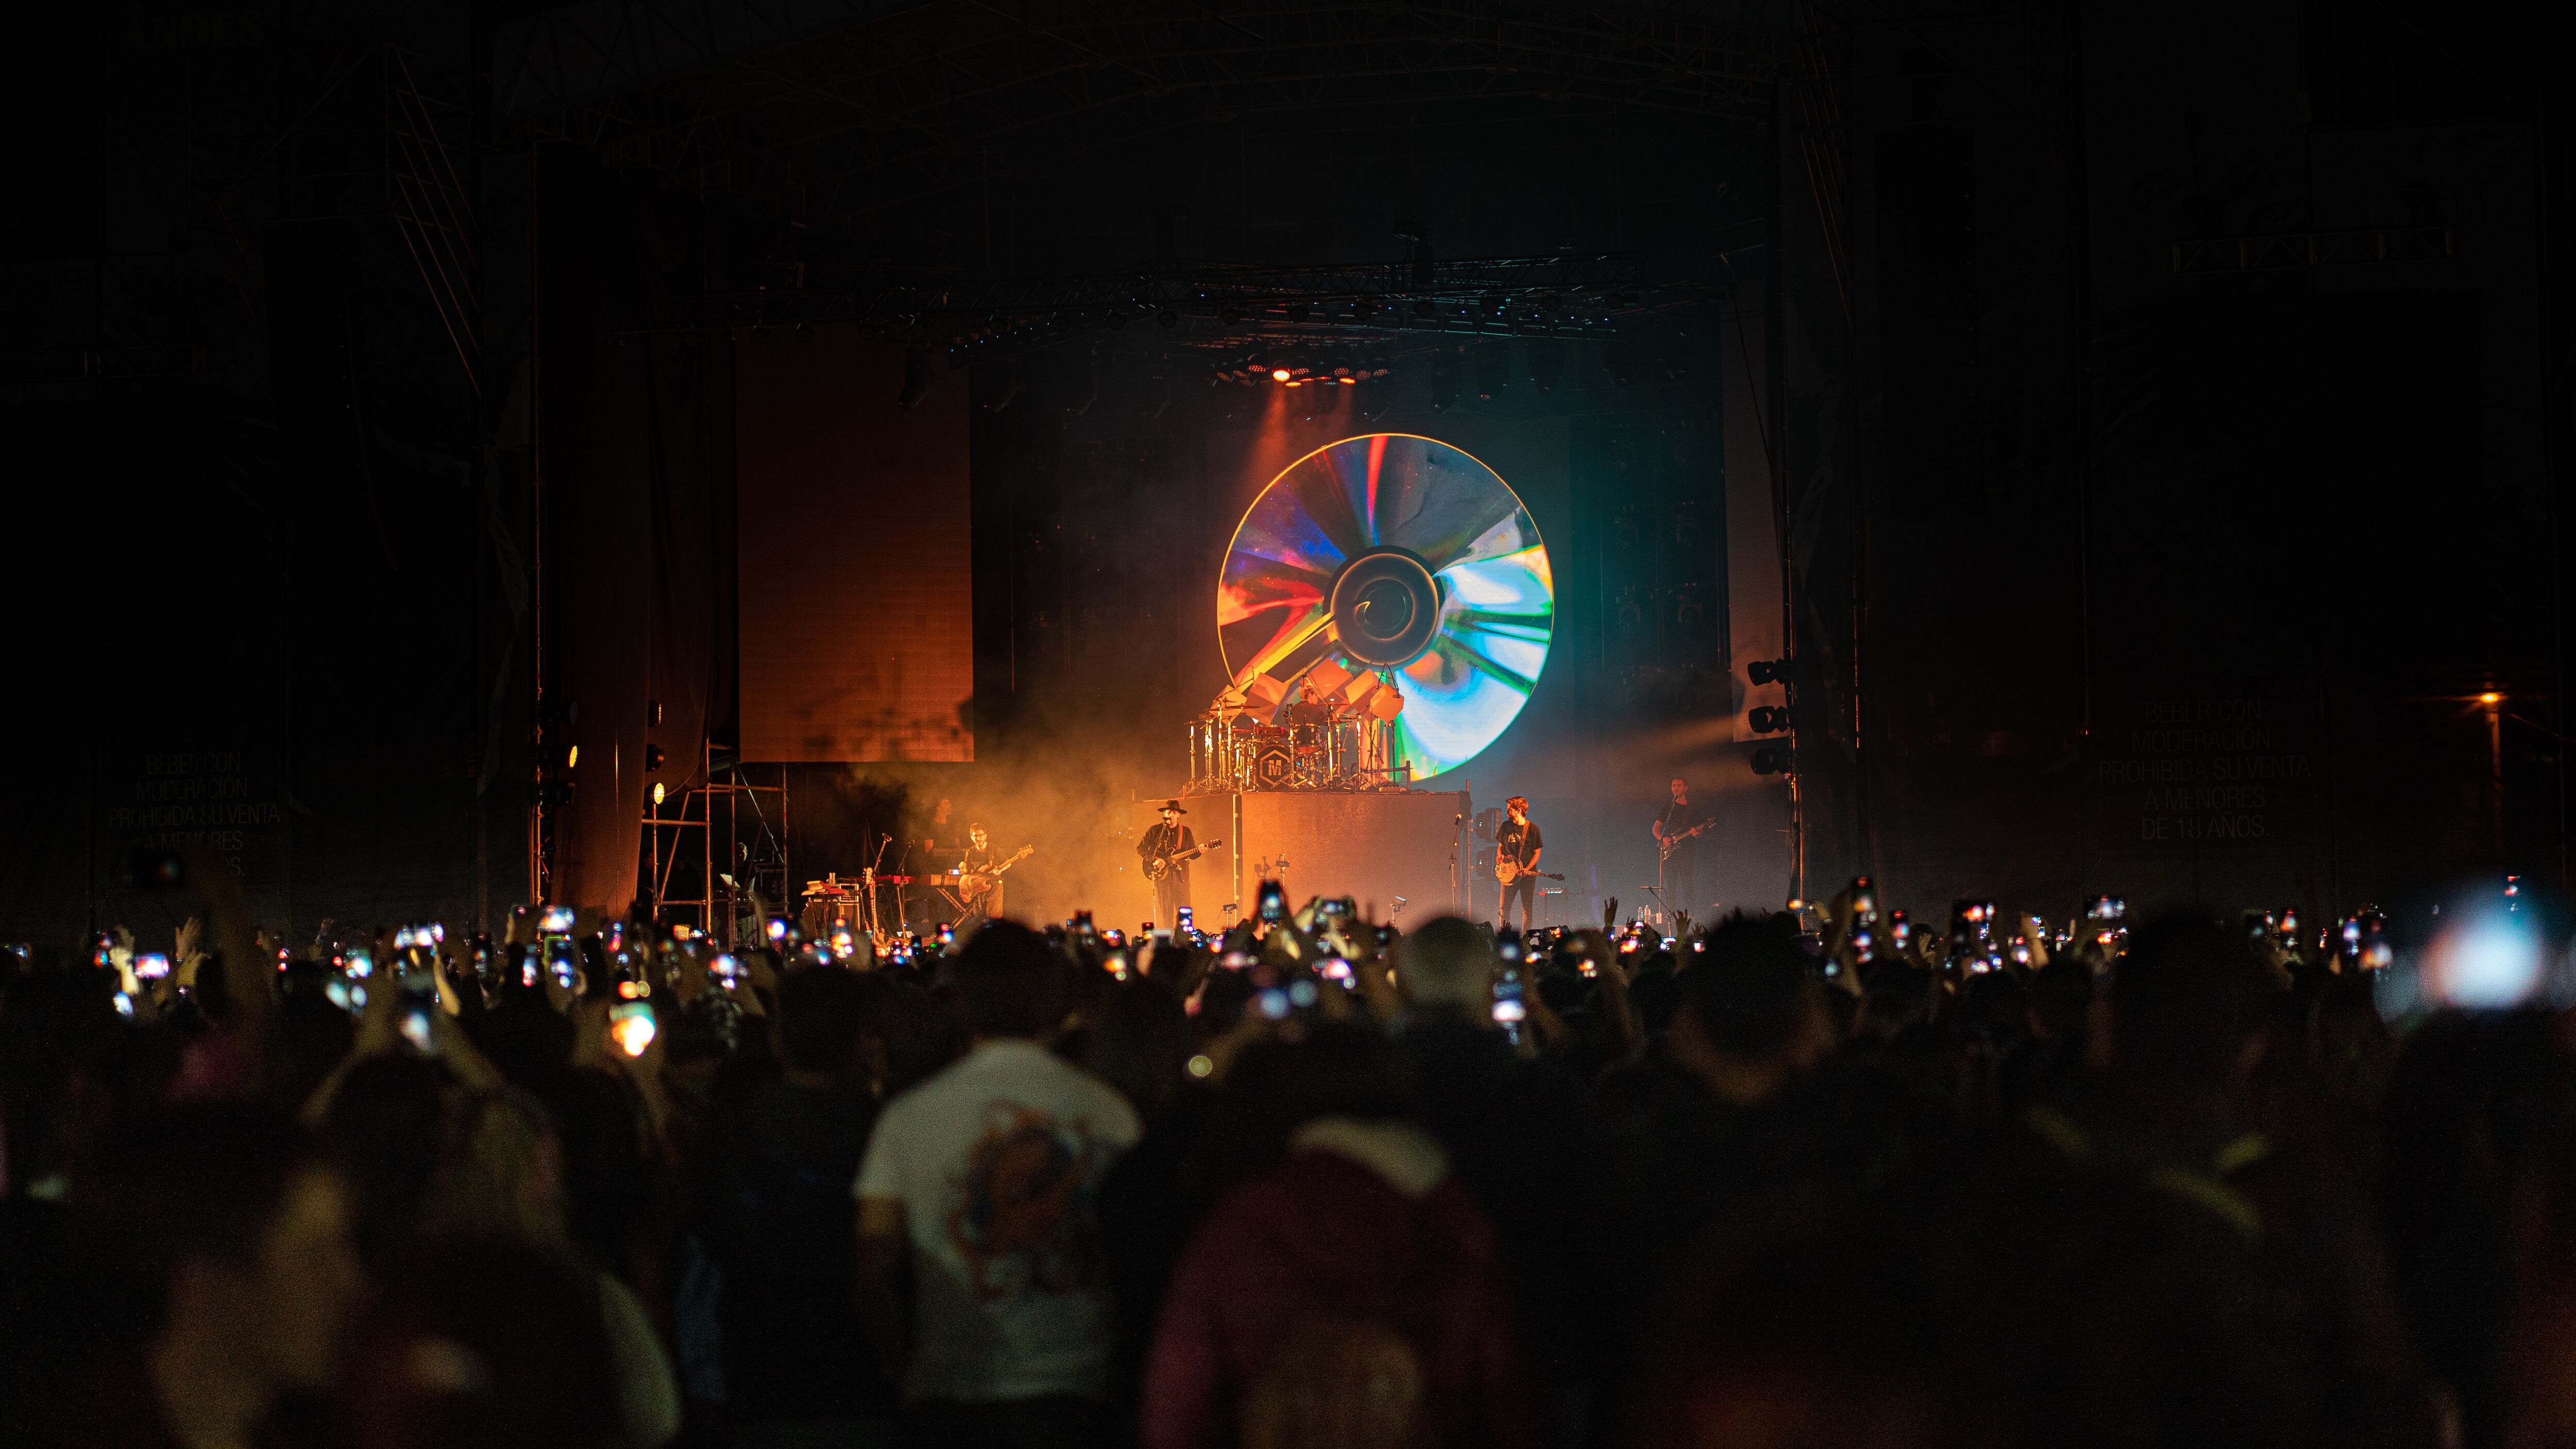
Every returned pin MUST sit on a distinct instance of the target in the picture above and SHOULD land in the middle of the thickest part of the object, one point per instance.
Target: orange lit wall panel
(856, 611)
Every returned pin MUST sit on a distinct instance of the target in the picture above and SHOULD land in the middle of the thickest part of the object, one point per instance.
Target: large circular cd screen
(1396, 553)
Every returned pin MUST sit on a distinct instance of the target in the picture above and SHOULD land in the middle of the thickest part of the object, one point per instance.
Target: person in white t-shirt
(984, 1178)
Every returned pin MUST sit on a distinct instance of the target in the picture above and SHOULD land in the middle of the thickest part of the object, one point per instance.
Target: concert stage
(1373, 845)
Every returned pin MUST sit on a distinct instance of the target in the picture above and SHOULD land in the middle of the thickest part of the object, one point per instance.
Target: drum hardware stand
(1271, 870)
(1663, 910)
(868, 882)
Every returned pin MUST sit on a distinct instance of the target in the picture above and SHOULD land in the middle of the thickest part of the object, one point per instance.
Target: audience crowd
(1801, 1179)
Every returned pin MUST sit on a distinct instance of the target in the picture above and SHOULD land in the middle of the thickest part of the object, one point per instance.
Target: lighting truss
(1219, 306)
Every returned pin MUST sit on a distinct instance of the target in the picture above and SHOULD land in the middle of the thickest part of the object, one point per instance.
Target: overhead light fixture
(1619, 360)
(1546, 364)
(652, 758)
(1444, 380)
(1493, 370)
(916, 378)
(1009, 389)
(1675, 353)
(1768, 671)
(1279, 374)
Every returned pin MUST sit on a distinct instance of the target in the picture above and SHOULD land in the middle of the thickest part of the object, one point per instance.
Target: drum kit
(1327, 750)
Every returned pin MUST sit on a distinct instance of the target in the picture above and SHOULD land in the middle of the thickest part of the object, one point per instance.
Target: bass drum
(1262, 758)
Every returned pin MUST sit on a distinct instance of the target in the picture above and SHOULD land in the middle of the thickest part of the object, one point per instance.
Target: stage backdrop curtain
(598, 464)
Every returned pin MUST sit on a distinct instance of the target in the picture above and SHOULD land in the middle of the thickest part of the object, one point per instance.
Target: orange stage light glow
(2490, 698)
(1278, 374)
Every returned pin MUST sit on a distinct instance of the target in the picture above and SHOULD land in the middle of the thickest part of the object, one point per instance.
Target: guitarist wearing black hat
(1166, 850)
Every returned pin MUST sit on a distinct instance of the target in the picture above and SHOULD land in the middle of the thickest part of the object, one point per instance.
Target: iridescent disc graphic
(1355, 547)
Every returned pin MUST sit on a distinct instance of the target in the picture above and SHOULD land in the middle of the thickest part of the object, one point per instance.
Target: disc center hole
(1385, 609)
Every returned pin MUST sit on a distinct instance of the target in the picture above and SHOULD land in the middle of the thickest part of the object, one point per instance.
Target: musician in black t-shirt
(1677, 833)
(1518, 844)
(979, 873)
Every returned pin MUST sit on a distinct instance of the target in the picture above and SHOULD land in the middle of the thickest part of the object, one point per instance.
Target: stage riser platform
(1373, 846)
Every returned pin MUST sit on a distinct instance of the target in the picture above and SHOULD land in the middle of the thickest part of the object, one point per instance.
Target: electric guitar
(1161, 865)
(1672, 843)
(975, 885)
(1507, 871)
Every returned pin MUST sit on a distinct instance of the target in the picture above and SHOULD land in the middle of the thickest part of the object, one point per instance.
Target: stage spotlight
(1280, 374)
(657, 792)
(1085, 393)
(1423, 309)
(1168, 318)
(1767, 719)
(1493, 370)
(653, 758)
(1775, 760)
(916, 378)
(1297, 312)
(1009, 389)
(1230, 316)
(1444, 380)
(1546, 364)
(1619, 360)
(1768, 671)
(1675, 354)
(759, 333)
(804, 331)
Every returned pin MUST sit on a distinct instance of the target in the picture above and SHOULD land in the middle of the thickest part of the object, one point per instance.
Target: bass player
(1677, 833)
(1166, 850)
(1516, 851)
